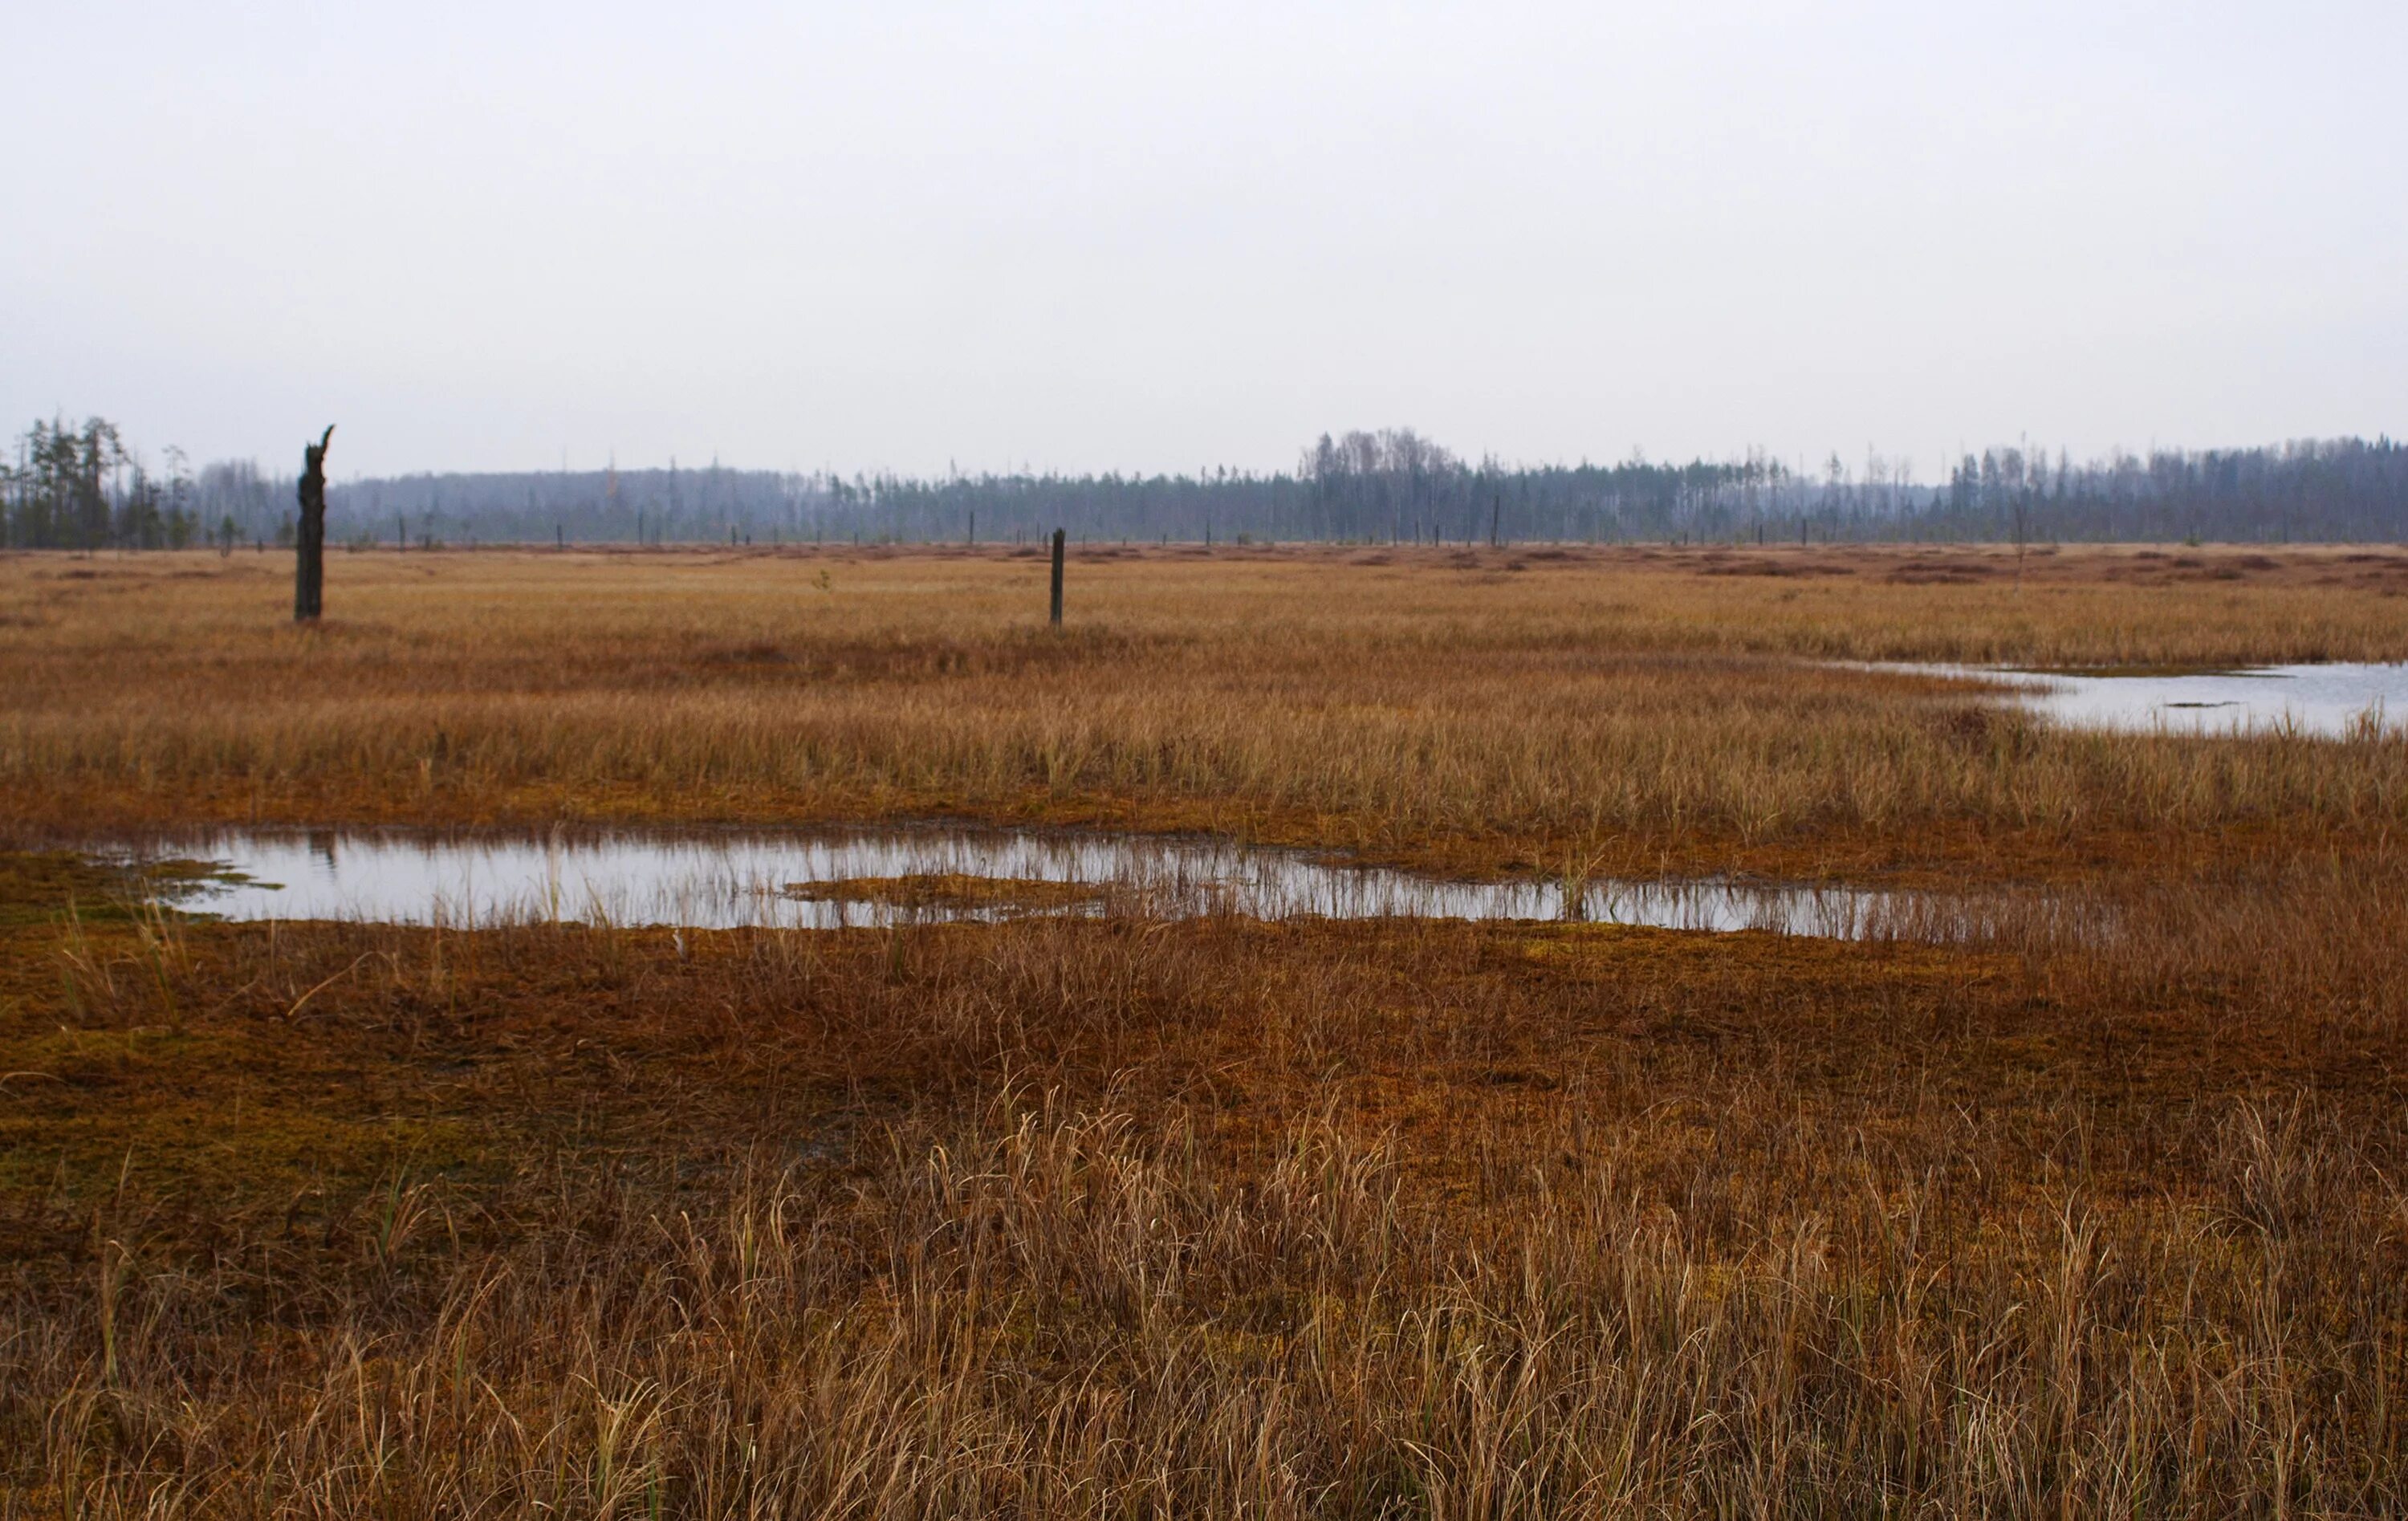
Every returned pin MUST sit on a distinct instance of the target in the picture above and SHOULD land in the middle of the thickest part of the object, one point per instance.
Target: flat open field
(1638, 709)
(2093, 1211)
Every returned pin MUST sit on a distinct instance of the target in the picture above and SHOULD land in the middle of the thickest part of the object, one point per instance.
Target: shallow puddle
(726, 880)
(2332, 700)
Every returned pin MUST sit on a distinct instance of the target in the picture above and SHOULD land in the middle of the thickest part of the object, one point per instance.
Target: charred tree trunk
(1058, 578)
(310, 538)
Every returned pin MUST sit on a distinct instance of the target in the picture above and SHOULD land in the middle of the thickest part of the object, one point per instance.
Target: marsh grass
(2082, 1193)
(1636, 709)
(1102, 1217)
(1058, 1312)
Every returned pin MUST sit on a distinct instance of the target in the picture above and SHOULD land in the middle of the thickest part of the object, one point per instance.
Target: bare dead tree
(309, 571)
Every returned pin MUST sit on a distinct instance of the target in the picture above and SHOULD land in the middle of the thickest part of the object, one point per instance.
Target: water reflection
(733, 879)
(2333, 700)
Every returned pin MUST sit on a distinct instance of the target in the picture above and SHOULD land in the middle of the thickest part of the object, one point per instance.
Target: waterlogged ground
(1093, 1213)
(1690, 714)
(725, 880)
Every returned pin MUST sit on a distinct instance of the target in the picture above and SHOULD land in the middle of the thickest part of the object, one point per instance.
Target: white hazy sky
(1141, 237)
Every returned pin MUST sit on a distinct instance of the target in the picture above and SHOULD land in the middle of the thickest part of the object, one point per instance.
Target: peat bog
(1027, 1166)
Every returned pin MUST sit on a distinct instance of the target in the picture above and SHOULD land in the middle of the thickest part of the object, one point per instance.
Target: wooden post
(1058, 578)
(309, 536)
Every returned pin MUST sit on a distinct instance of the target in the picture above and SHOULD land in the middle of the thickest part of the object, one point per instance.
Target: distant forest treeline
(84, 488)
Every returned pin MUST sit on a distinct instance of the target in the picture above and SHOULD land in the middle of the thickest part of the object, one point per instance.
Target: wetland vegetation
(1108, 1213)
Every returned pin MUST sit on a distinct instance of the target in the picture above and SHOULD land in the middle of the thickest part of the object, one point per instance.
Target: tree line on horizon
(82, 487)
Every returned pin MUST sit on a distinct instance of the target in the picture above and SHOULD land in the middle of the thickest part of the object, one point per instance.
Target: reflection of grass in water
(954, 890)
(2140, 672)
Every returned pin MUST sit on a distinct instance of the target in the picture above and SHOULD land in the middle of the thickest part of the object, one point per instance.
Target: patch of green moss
(39, 887)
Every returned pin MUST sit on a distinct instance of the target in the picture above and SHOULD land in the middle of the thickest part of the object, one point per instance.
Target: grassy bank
(1631, 709)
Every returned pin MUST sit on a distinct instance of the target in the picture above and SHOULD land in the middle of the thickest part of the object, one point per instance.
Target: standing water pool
(2333, 700)
(869, 877)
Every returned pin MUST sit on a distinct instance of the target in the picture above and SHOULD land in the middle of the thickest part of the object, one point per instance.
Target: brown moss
(366, 1204)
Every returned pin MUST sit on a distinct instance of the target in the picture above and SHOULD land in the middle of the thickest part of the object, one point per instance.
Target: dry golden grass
(2103, 1209)
(1478, 710)
(1071, 1218)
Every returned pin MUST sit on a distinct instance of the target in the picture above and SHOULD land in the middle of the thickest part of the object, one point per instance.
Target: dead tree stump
(1058, 578)
(310, 538)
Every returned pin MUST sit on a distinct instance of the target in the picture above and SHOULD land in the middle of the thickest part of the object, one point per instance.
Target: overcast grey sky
(1137, 237)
